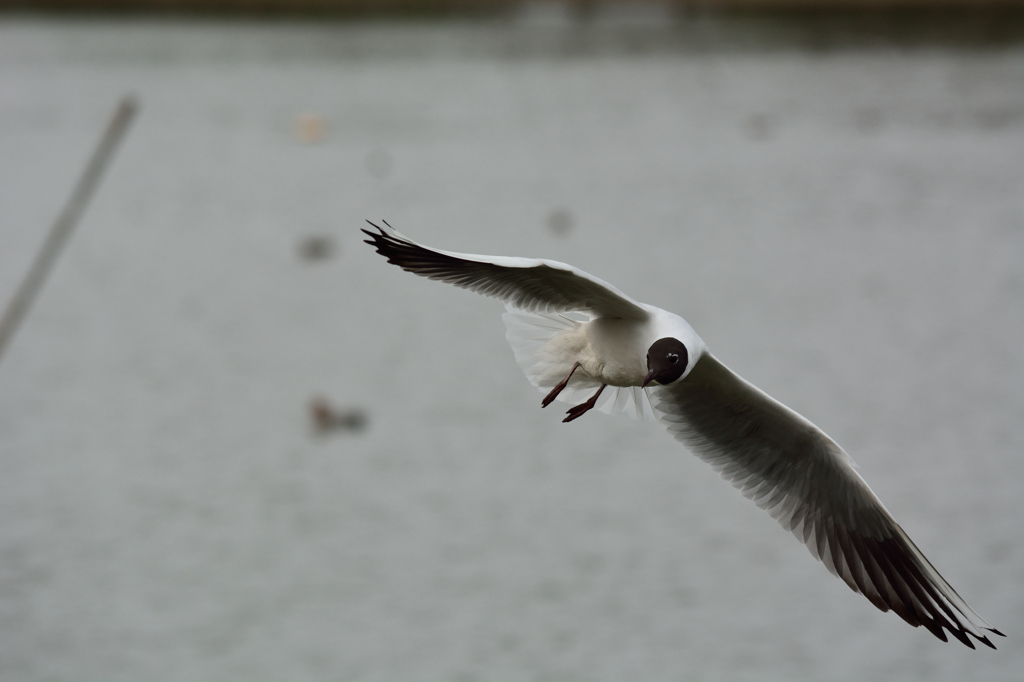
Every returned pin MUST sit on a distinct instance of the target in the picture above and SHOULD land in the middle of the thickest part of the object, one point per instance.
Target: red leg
(550, 397)
(579, 410)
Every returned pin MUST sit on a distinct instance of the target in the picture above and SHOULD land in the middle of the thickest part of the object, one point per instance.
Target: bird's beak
(648, 379)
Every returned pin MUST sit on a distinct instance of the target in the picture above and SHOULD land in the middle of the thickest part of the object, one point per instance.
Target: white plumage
(573, 334)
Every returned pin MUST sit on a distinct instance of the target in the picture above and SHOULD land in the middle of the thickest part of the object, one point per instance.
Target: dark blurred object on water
(560, 222)
(326, 418)
(379, 163)
(317, 247)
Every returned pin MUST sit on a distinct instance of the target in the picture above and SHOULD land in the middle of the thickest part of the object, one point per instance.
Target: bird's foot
(550, 397)
(582, 408)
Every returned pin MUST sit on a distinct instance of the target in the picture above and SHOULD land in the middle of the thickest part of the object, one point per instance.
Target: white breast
(616, 351)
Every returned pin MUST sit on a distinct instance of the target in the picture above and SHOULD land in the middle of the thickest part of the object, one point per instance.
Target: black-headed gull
(656, 366)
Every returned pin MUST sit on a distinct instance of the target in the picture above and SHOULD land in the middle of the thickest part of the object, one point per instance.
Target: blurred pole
(66, 221)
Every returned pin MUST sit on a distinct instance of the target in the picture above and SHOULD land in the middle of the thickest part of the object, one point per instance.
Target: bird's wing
(529, 284)
(806, 482)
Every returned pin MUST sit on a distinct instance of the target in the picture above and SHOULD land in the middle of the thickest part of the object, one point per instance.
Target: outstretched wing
(800, 476)
(543, 286)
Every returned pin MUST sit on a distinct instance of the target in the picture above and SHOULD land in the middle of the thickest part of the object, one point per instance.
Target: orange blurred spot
(310, 128)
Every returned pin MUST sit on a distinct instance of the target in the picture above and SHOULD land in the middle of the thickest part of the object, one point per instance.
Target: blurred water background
(840, 216)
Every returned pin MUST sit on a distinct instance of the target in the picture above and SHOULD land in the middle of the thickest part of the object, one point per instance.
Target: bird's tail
(541, 343)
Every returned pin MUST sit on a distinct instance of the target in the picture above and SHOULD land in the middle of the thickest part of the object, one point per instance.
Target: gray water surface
(844, 228)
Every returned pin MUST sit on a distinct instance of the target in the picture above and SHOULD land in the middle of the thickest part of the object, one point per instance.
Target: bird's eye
(673, 358)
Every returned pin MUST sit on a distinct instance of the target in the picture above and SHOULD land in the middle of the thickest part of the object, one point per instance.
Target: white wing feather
(529, 284)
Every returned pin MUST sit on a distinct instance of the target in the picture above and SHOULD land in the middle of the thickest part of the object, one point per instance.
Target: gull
(575, 335)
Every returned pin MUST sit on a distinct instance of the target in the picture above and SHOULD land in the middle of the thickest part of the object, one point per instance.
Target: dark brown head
(666, 361)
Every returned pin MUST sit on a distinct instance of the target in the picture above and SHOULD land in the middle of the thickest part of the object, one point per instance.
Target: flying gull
(578, 337)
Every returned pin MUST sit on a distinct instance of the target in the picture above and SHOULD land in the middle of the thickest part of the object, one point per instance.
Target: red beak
(648, 379)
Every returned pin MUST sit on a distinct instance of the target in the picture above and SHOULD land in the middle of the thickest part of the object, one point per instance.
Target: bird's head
(666, 361)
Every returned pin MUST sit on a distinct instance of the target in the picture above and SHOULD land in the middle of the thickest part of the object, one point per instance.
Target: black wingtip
(985, 640)
(982, 638)
(377, 239)
(962, 636)
(395, 248)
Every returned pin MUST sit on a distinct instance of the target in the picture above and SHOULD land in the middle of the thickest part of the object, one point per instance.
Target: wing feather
(534, 285)
(804, 480)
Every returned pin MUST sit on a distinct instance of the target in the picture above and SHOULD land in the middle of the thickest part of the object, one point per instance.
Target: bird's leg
(577, 412)
(550, 397)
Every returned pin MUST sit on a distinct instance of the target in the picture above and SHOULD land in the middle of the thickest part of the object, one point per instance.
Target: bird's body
(574, 334)
(613, 350)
